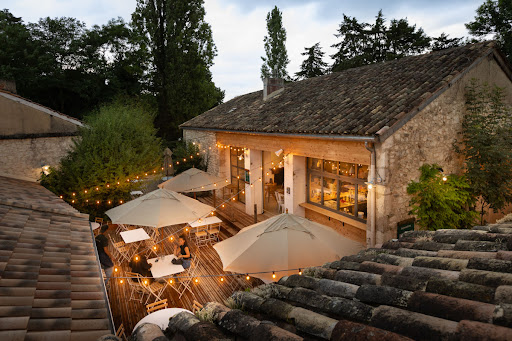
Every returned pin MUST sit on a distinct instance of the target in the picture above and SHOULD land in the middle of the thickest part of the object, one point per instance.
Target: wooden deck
(207, 290)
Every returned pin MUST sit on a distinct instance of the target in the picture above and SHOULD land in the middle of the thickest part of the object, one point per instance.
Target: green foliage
(494, 17)
(443, 42)
(117, 145)
(486, 145)
(439, 204)
(60, 63)
(363, 43)
(276, 60)
(313, 65)
(188, 155)
(180, 46)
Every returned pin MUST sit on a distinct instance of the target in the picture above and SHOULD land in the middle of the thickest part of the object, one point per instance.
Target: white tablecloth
(94, 226)
(134, 235)
(206, 221)
(164, 266)
(161, 317)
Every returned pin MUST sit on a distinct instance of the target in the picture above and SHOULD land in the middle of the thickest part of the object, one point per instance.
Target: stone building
(31, 136)
(348, 143)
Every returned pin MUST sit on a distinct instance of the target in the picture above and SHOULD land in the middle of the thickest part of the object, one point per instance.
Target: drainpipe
(373, 166)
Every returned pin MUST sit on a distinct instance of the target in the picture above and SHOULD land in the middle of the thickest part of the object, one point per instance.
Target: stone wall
(426, 138)
(24, 158)
(206, 141)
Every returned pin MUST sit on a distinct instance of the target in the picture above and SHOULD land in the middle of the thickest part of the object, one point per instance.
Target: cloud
(239, 26)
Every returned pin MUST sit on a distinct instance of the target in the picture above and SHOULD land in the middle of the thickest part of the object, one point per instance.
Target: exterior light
(108, 185)
(300, 272)
(171, 281)
(85, 191)
(72, 201)
(196, 280)
(121, 281)
(145, 282)
(116, 269)
(136, 257)
(109, 202)
(370, 186)
(154, 247)
(60, 196)
(97, 188)
(74, 193)
(247, 277)
(222, 279)
(97, 201)
(273, 275)
(445, 178)
(46, 169)
(120, 201)
(186, 229)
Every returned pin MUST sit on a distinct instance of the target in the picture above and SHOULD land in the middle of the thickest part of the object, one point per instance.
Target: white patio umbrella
(283, 242)
(193, 180)
(159, 208)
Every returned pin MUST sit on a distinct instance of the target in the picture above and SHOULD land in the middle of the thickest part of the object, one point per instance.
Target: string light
(60, 196)
(273, 275)
(74, 193)
(222, 279)
(247, 277)
(171, 281)
(116, 269)
(300, 272)
(196, 280)
(445, 178)
(121, 281)
(137, 258)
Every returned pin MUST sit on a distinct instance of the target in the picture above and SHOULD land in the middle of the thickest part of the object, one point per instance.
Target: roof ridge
(18, 204)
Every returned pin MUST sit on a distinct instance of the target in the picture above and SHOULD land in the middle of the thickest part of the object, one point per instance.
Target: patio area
(129, 312)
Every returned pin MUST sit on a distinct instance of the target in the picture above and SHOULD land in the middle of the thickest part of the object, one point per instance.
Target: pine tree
(181, 48)
(313, 65)
(443, 42)
(276, 60)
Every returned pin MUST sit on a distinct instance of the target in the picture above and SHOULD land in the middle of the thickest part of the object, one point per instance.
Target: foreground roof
(358, 101)
(443, 285)
(50, 282)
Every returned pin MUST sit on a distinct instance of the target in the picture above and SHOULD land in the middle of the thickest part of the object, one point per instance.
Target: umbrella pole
(195, 195)
(214, 195)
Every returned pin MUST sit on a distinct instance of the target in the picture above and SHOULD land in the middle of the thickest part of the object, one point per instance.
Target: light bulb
(247, 277)
(273, 275)
(222, 279)
(445, 178)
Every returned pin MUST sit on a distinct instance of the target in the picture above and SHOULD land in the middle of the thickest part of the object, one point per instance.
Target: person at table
(141, 266)
(182, 253)
(104, 254)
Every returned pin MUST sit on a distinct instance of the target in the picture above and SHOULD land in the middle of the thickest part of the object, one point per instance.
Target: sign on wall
(404, 225)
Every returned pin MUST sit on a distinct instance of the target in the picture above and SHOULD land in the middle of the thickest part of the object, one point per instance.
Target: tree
(188, 155)
(486, 145)
(494, 17)
(181, 51)
(439, 201)
(443, 42)
(116, 147)
(313, 65)
(362, 43)
(276, 60)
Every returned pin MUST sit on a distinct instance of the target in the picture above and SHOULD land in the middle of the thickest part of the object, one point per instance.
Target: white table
(164, 266)
(94, 226)
(161, 317)
(133, 236)
(205, 221)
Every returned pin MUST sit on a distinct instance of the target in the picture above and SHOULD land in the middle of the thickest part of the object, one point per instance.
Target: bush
(116, 145)
(441, 202)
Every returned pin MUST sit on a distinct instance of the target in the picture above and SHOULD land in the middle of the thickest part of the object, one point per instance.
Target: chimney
(271, 85)
(6, 85)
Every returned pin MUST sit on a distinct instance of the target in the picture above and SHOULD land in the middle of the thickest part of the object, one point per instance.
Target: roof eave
(356, 138)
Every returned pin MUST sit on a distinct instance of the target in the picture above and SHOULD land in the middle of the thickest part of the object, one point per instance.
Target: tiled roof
(358, 101)
(50, 283)
(442, 285)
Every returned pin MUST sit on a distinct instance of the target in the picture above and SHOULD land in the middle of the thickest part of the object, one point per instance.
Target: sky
(239, 26)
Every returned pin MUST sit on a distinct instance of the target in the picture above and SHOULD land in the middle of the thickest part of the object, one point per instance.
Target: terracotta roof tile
(359, 101)
(442, 295)
(50, 283)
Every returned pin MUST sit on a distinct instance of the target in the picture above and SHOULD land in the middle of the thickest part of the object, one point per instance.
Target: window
(338, 186)
(237, 165)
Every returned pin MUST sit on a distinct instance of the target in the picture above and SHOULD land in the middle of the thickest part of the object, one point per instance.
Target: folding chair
(213, 232)
(120, 333)
(135, 287)
(280, 201)
(151, 247)
(201, 238)
(185, 283)
(152, 289)
(196, 307)
(122, 250)
(98, 220)
(156, 306)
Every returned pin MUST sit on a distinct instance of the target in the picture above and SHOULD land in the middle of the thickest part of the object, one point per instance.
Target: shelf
(353, 222)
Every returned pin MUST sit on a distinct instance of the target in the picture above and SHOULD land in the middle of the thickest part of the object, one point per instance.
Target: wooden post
(255, 213)
(195, 195)
(214, 199)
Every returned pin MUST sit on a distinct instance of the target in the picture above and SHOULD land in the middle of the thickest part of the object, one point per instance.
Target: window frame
(339, 178)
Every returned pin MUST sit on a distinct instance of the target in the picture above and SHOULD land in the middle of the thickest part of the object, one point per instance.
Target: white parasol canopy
(283, 242)
(159, 208)
(193, 180)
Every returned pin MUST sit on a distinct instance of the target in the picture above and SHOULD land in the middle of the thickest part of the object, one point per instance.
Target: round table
(161, 317)
(95, 225)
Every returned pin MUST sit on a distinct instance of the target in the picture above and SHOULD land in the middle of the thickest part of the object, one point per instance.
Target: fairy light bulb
(108, 185)
(60, 196)
(186, 229)
(120, 201)
(300, 272)
(146, 281)
(72, 201)
(85, 191)
(234, 199)
(136, 257)
(97, 201)
(116, 269)
(196, 280)
(154, 247)
(445, 178)
(370, 186)
(273, 275)
(109, 202)
(222, 279)
(247, 277)
(97, 188)
(74, 193)
(121, 281)
(171, 281)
